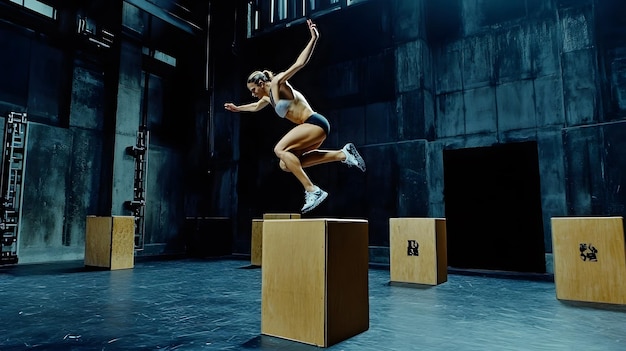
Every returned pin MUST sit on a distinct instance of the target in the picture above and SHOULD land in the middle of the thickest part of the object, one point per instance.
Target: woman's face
(257, 91)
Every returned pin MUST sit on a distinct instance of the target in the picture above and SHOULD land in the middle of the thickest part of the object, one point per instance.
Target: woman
(299, 147)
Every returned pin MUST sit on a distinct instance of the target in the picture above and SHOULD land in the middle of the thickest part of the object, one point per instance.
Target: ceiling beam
(165, 15)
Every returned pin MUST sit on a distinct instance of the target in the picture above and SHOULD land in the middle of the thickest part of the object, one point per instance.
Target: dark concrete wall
(85, 107)
(64, 155)
(406, 80)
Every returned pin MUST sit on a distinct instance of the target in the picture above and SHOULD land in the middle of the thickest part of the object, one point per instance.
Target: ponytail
(268, 74)
(257, 77)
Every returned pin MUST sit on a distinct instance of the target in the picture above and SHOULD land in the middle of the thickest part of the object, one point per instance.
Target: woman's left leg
(302, 138)
(298, 141)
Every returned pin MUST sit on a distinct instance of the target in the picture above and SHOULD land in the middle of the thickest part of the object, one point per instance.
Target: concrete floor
(194, 304)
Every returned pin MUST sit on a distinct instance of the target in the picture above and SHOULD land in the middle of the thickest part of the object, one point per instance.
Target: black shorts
(320, 121)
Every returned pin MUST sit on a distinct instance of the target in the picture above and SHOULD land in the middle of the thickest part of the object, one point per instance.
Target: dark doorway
(493, 208)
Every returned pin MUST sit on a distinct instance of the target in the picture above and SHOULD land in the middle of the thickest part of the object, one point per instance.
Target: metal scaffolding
(11, 184)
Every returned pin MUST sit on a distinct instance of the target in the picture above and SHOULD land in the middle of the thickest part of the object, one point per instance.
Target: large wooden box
(110, 242)
(589, 259)
(315, 280)
(256, 250)
(417, 250)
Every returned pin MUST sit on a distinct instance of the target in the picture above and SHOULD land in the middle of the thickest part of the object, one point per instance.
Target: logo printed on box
(588, 252)
(412, 248)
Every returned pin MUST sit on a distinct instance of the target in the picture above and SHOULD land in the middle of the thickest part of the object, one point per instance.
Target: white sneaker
(312, 199)
(352, 157)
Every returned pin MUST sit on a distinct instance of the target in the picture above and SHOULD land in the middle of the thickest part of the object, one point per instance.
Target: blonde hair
(260, 76)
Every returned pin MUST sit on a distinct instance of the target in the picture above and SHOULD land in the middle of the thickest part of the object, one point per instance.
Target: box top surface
(435, 218)
(586, 217)
(336, 220)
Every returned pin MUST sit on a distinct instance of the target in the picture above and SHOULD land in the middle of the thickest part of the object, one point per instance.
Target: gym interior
(499, 118)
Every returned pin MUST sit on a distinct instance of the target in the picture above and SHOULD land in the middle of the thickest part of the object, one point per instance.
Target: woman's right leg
(318, 157)
(348, 155)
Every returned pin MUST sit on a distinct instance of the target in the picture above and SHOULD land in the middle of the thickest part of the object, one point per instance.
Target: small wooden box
(315, 280)
(589, 259)
(110, 242)
(256, 250)
(417, 250)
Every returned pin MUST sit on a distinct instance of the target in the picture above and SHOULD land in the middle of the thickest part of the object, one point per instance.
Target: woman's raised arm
(304, 56)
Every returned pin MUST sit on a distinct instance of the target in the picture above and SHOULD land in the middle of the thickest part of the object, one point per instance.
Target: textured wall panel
(412, 66)
(449, 69)
(513, 54)
(450, 115)
(87, 106)
(516, 105)
(412, 176)
(584, 169)
(546, 48)
(549, 101)
(478, 61)
(46, 184)
(381, 123)
(552, 179)
(480, 110)
(577, 28)
(410, 115)
(579, 85)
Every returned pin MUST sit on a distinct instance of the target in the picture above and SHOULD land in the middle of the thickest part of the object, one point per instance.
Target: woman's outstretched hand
(313, 29)
(231, 107)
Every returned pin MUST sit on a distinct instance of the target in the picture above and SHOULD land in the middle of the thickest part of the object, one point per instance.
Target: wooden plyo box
(589, 259)
(417, 250)
(110, 242)
(256, 250)
(315, 280)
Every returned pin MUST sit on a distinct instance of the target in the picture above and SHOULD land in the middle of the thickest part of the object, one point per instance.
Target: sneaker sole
(316, 203)
(360, 163)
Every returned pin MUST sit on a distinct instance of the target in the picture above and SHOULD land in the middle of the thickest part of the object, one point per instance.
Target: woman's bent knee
(283, 166)
(278, 151)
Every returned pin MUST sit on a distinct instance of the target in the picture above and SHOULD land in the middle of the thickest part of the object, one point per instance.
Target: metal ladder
(11, 184)
(138, 204)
